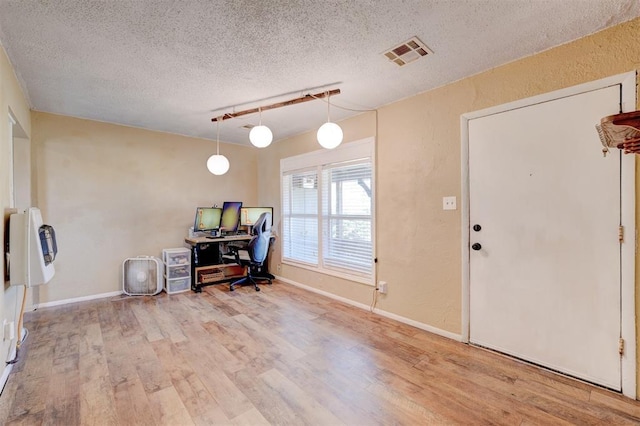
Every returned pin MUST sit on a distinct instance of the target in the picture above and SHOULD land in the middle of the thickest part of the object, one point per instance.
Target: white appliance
(32, 249)
(141, 276)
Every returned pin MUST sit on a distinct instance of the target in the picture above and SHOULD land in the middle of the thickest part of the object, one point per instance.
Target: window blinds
(300, 216)
(346, 217)
(327, 211)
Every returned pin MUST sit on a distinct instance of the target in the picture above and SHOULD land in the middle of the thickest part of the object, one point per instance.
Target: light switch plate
(449, 203)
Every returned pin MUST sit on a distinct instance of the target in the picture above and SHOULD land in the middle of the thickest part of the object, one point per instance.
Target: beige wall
(113, 192)
(11, 100)
(418, 162)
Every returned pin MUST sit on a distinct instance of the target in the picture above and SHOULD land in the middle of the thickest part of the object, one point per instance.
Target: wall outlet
(279, 267)
(382, 287)
(449, 203)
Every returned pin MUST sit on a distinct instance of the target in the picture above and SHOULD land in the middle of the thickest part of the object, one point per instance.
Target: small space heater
(141, 276)
(32, 249)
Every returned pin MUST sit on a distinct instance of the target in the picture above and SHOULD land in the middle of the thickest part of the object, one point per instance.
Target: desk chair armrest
(237, 254)
(237, 245)
(231, 256)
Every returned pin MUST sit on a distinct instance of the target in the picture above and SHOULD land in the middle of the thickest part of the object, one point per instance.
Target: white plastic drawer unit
(177, 285)
(176, 256)
(177, 271)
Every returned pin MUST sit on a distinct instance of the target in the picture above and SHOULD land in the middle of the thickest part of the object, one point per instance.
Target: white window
(327, 211)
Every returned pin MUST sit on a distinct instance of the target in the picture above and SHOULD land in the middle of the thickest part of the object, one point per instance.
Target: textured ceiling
(172, 65)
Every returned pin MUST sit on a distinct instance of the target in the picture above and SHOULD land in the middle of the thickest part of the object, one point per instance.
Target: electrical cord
(325, 99)
(19, 331)
(374, 299)
(14, 360)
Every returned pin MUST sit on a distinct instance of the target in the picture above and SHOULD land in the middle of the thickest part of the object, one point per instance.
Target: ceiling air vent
(407, 52)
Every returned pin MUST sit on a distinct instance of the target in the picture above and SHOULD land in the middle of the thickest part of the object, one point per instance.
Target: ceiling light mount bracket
(299, 100)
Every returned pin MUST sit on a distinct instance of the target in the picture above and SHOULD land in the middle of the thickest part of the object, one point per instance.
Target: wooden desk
(207, 267)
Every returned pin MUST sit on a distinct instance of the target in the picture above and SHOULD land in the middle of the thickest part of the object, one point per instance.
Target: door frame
(628, 214)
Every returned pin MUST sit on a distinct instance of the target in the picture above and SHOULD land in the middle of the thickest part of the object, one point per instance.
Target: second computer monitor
(230, 216)
(249, 215)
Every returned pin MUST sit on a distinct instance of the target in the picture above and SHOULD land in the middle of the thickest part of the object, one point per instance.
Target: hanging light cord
(218, 137)
(374, 299)
(326, 99)
(328, 106)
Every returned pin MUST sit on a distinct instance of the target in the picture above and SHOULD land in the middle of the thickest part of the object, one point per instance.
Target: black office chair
(255, 253)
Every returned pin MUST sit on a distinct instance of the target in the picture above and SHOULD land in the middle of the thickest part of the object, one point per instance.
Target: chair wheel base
(249, 280)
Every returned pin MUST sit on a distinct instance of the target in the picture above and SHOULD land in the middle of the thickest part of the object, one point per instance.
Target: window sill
(331, 272)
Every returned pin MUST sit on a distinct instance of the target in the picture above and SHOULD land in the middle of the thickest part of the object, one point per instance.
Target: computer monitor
(230, 216)
(248, 215)
(207, 219)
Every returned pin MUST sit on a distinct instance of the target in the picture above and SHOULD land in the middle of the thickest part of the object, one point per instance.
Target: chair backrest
(263, 224)
(259, 245)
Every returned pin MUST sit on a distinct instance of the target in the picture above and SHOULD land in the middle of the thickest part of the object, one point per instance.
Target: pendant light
(218, 164)
(260, 136)
(329, 134)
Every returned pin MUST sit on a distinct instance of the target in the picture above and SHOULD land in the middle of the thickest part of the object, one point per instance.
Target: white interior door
(545, 284)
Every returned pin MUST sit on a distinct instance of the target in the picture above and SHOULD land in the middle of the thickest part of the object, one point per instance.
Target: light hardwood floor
(279, 356)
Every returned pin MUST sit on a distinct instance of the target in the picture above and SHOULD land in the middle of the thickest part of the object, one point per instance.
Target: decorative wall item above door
(620, 131)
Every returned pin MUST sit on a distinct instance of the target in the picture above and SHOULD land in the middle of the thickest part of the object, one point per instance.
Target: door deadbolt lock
(477, 228)
(476, 246)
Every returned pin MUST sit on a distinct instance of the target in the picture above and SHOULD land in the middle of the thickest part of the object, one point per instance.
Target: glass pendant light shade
(218, 164)
(329, 135)
(260, 136)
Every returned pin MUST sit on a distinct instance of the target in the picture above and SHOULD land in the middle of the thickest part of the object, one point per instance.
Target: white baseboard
(413, 323)
(8, 367)
(77, 299)
(5, 376)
